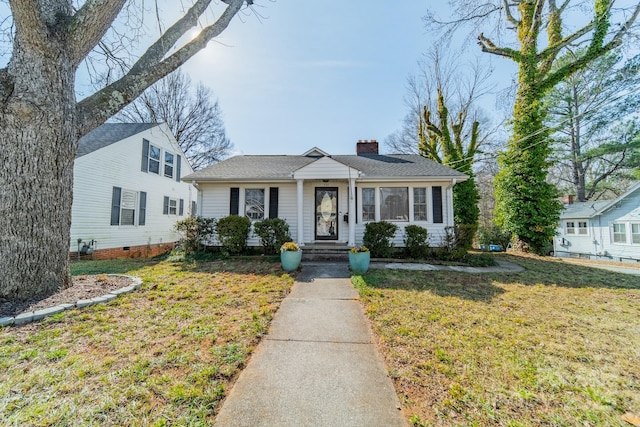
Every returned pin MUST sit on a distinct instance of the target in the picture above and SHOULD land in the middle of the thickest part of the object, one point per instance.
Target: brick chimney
(567, 199)
(367, 147)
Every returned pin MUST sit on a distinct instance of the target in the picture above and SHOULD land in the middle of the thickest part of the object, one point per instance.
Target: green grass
(554, 345)
(163, 355)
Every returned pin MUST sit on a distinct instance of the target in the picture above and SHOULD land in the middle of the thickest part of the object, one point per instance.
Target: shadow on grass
(475, 287)
(551, 271)
(485, 286)
(112, 266)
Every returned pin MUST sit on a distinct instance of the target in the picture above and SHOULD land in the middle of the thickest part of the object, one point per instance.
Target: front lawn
(557, 344)
(163, 355)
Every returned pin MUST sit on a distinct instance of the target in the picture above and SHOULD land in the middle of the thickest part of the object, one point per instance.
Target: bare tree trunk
(38, 137)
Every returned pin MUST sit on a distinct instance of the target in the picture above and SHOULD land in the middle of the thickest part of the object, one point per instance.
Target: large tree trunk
(39, 138)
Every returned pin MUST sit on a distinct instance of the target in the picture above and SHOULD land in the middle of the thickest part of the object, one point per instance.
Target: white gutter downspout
(450, 205)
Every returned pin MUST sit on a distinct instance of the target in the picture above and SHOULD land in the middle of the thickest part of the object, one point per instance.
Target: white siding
(436, 231)
(119, 165)
(216, 201)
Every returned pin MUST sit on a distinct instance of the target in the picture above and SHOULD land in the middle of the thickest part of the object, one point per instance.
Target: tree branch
(507, 11)
(97, 108)
(89, 24)
(536, 22)
(159, 49)
(553, 50)
(488, 46)
(30, 23)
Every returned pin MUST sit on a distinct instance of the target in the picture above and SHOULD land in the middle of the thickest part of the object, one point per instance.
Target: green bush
(233, 232)
(494, 235)
(195, 232)
(457, 241)
(377, 237)
(273, 232)
(415, 241)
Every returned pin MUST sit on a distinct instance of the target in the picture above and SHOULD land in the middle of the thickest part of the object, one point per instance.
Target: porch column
(352, 212)
(300, 225)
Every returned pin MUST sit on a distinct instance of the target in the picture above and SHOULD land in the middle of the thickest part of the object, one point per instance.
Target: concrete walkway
(318, 365)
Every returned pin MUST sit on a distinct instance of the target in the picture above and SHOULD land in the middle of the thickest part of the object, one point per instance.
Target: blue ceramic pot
(359, 262)
(290, 260)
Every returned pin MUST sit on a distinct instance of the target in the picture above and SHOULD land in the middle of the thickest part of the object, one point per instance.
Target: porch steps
(338, 252)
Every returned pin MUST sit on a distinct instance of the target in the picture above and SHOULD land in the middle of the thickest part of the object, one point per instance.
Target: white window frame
(405, 218)
(260, 210)
(635, 236)
(129, 202)
(619, 233)
(425, 204)
(169, 164)
(583, 230)
(570, 227)
(368, 217)
(151, 159)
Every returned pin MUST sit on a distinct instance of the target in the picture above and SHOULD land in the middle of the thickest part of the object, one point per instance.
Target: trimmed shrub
(415, 241)
(377, 237)
(273, 232)
(233, 232)
(195, 232)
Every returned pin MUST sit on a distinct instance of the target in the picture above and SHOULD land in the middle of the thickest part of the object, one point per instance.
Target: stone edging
(32, 316)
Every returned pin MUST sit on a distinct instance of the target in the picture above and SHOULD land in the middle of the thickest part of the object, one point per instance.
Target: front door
(326, 211)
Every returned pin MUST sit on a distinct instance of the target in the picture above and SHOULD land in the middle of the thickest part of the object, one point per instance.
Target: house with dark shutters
(329, 198)
(128, 191)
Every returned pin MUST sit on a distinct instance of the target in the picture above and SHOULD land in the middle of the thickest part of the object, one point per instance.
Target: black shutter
(355, 214)
(436, 195)
(165, 208)
(143, 208)
(115, 206)
(181, 208)
(234, 206)
(145, 155)
(178, 166)
(273, 202)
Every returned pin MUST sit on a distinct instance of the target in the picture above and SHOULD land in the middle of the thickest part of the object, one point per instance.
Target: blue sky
(322, 74)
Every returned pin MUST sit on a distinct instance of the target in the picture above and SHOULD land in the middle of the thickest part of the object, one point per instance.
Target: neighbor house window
(571, 227)
(635, 234)
(168, 164)
(419, 204)
(394, 203)
(368, 204)
(582, 228)
(254, 203)
(619, 233)
(170, 206)
(127, 206)
(154, 159)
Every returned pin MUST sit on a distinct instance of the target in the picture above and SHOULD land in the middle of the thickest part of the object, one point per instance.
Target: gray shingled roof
(108, 134)
(583, 209)
(281, 167)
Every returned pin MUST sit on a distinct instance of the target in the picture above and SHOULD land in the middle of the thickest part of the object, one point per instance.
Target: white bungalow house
(608, 230)
(328, 198)
(128, 192)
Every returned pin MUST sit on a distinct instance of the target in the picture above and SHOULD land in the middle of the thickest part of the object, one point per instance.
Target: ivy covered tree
(527, 205)
(444, 141)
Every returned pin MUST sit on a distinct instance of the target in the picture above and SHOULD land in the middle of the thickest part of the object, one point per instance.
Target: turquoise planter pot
(290, 260)
(359, 262)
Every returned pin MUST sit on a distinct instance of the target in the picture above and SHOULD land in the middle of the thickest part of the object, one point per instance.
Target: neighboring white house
(607, 229)
(329, 198)
(127, 190)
